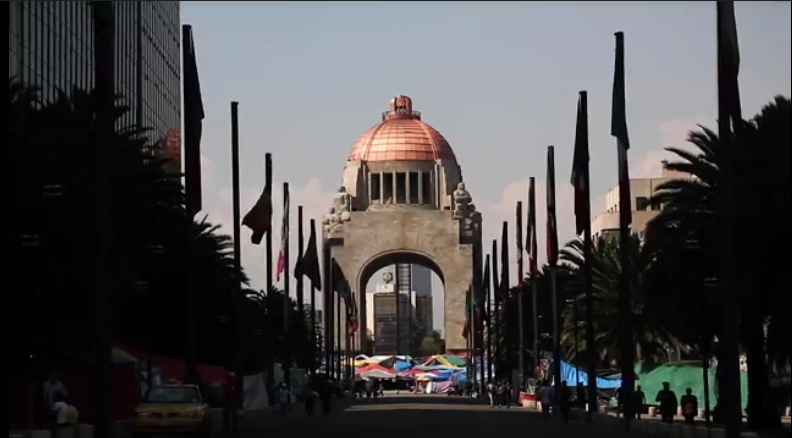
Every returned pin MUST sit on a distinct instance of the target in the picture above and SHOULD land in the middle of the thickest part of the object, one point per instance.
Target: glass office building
(51, 46)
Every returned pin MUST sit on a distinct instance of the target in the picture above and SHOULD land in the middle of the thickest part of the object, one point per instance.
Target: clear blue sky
(498, 79)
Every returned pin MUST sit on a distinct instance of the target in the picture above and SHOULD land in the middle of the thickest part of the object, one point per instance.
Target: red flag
(552, 229)
(284, 237)
(619, 130)
(531, 245)
(580, 167)
(259, 218)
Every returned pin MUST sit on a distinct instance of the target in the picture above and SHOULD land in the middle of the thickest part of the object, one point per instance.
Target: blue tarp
(401, 365)
(573, 376)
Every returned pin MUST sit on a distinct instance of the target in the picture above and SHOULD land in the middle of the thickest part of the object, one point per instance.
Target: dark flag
(284, 237)
(342, 288)
(552, 229)
(619, 130)
(193, 123)
(308, 265)
(531, 245)
(259, 218)
(503, 290)
(468, 304)
(729, 62)
(482, 300)
(580, 167)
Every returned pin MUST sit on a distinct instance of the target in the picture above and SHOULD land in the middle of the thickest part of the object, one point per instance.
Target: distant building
(381, 309)
(606, 224)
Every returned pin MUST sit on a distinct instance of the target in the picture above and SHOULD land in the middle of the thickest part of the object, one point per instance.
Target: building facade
(606, 224)
(51, 46)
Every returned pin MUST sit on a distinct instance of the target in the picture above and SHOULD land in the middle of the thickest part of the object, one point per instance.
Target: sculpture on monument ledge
(340, 212)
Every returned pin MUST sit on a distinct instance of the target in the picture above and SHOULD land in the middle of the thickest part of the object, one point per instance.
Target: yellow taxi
(173, 409)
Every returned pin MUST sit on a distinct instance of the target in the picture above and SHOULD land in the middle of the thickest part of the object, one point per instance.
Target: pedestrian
(546, 398)
(230, 423)
(689, 404)
(640, 402)
(565, 401)
(667, 400)
(284, 399)
(491, 394)
(310, 400)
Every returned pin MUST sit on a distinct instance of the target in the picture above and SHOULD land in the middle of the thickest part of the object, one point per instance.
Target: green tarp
(682, 376)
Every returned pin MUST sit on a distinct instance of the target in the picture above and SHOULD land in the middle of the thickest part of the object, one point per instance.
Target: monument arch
(403, 199)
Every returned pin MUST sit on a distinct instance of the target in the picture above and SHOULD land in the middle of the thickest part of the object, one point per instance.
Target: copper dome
(401, 136)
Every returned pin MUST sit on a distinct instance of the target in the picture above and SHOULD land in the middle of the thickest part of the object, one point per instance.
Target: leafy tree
(431, 345)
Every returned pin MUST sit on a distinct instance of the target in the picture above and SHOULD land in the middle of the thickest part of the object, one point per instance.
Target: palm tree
(53, 228)
(687, 229)
(652, 343)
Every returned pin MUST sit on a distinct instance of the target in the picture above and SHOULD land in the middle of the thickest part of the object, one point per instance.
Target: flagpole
(496, 307)
(234, 324)
(728, 113)
(506, 272)
(520, 310)
(337, 313)
(270, 323)
(327, 307)
(552, 242)
(591, 352)
(104, 72)
(619, 129)
(315, 347)
(532, 248)
(299, 279)
(488, 307)
(287, 359)
(397, 297)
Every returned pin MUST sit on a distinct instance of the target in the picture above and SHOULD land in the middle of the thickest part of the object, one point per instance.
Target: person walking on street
(689, 404)
(565, 401)
(667, 400)
(546, 398)
(310, 400)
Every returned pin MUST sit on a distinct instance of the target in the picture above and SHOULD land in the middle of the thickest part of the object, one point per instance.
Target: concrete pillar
(382, 188)
(368, 186)
(395, 188)
(407, 187)
(420, 188)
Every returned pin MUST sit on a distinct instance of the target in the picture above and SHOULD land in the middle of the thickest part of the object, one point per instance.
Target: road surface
(399, 416)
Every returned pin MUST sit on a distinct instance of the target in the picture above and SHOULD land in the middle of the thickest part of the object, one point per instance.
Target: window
(426, 187)
(401, 188)
(642, 203)
(375, 187)
(413, 179)
(387, 187)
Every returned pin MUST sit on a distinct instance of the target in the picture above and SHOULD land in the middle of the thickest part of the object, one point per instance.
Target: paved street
(406, 415)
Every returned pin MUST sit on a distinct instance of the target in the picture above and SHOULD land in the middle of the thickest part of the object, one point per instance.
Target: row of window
(401, 188)
(51, 46)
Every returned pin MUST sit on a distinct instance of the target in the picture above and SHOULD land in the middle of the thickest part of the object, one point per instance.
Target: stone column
(407, 187)
(368, 185)
(395, 188)
(382, 188)
(420, 188)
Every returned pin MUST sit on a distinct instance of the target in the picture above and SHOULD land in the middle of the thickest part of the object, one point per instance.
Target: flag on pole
(530, 244)
(482, 300)
(344, 291)
(729, 59)
(193, 123)
(284, 237)
(468, 304)
(308, 265)
(552, 229)
(259, 218)
(619, 130)
(580, 166)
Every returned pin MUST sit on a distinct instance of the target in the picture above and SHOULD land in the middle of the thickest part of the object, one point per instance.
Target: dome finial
(401, 107)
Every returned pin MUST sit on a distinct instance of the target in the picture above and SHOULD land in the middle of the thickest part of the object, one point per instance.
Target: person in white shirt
(546, 396)
(50, 388)
(284, 399)
(60, 413)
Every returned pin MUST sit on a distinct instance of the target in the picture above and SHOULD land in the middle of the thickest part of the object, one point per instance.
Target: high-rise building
(421, 281)
(50, 45)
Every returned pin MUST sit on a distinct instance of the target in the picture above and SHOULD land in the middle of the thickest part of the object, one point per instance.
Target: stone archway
(403, 199)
